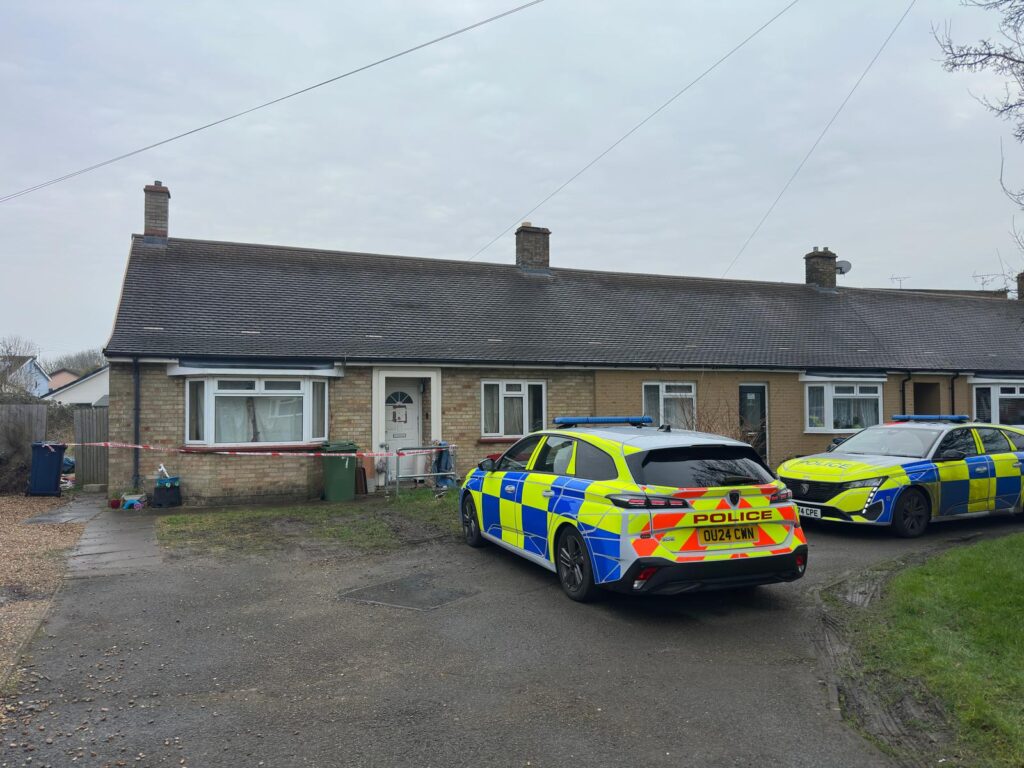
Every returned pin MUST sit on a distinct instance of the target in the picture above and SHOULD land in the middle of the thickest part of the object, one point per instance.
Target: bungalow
(91, 389)
(221, 344)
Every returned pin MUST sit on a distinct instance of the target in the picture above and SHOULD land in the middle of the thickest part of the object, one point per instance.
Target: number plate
(809, 512)
(736, 534)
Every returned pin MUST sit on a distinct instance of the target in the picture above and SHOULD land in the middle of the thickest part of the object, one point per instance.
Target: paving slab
(81, 509)
(115, 542)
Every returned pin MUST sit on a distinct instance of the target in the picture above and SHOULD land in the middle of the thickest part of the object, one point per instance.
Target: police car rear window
(699, 467)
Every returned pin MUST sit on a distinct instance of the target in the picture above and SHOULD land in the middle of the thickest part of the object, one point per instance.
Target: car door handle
(980, 470)
(510, 489)
(1016, 465)
(549, 494)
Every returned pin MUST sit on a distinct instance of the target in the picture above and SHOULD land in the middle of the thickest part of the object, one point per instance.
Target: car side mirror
(487, 465)
(836, 442)
(951, 455)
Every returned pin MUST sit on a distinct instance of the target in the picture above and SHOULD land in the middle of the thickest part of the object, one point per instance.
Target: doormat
(418, 593)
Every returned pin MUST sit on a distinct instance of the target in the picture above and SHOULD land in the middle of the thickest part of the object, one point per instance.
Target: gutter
(903, 393)
(136, 480)
(952, 392)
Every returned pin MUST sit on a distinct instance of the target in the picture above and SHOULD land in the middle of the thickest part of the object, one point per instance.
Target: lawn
(956, 624)
(368, 524)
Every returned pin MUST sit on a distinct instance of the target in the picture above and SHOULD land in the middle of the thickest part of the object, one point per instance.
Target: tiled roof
(197, 298)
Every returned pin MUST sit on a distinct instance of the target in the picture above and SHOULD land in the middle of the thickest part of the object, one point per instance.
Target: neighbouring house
(91, 389)
(222, 345)
(61, 377)
(23, 374)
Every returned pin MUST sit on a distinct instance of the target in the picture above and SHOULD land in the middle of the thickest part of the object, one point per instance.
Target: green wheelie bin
(340, 471)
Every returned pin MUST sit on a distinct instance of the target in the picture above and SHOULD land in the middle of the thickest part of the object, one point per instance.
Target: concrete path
(81, 509)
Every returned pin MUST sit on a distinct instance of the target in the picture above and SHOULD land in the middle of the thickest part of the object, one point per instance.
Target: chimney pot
(533, 247)
(156, 210)
(820, 268)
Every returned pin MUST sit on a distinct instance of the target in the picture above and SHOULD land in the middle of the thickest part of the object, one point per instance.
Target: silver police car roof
(649, 438)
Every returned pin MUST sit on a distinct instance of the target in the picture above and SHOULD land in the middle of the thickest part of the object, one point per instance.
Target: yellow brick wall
(568, 393)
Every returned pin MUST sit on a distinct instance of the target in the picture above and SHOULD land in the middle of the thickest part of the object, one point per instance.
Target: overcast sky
(436, 153)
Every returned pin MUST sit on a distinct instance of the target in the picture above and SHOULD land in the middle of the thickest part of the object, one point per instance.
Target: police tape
(215, 452)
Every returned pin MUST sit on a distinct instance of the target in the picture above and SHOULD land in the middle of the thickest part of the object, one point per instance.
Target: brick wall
(568, 393)
(213, 479)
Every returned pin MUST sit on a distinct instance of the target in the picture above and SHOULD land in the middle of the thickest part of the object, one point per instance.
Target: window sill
(253, 447)
(498, 440)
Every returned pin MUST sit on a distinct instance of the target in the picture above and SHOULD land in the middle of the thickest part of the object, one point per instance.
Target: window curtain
(854, 413)
(258, 419)
(652, 403)
(816, 407)
(491, 423)
(679, 412)
(513, 415)
(983, 403)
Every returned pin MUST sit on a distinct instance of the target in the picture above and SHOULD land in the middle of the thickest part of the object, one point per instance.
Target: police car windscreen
(912, 442)
(699, 467)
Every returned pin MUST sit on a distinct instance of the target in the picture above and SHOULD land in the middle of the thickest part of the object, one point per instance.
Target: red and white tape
(206, 451)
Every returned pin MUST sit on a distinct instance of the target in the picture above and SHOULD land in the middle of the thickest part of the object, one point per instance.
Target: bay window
(671, 403)
(253, 410)
(842, 406)
(1001, 403)
(512, 408)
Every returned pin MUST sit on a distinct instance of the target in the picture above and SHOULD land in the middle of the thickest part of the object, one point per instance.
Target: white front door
(403, 426)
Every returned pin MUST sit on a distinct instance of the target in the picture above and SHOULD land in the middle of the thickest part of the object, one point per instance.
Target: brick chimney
(532, 248)
(1020, 287)
(157, 199)
(821, 268)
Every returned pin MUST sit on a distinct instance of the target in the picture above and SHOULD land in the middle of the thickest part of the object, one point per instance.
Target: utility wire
(817, 141)
(635, 128)
(278, 100)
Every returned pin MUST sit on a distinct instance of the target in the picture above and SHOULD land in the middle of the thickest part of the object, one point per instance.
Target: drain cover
(418, 593)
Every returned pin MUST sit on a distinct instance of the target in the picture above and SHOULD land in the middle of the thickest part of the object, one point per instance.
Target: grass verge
(369, 524)
(956, 624)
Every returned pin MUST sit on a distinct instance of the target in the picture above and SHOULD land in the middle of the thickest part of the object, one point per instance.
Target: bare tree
(1003, 55)
(79, 362)
(14, 378)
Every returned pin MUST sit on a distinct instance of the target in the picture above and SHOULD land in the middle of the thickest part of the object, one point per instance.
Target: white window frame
(830, 395)
(995, 395)
(663, 395)
(211, 391)
(503, 392)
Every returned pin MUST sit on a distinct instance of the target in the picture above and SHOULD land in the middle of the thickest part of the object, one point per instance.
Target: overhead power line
(817, 141)
(635, 128)
(266, 104)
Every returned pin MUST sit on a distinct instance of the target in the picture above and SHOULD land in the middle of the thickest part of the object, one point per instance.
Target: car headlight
(871, 482)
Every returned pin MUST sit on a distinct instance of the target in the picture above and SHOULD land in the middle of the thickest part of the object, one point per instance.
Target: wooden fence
(33, 416)
(91, 426)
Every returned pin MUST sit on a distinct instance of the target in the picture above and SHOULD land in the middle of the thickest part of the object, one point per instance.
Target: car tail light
(642, 501)
(801, 561)
(644, 576)
(781, 495)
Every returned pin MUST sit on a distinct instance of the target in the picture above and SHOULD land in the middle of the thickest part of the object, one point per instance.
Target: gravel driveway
(294, 659)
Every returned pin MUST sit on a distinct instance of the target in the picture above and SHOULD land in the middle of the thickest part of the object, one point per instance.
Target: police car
(910, 472)
(610, 502)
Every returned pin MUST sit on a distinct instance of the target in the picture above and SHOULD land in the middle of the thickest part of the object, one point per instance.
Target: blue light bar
(931, 417)
(632, 420)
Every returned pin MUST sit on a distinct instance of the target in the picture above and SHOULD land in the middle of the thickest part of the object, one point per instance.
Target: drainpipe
(903, 393)
(952, 393)
(136, 480)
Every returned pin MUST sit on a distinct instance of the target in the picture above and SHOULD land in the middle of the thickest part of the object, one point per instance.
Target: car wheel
(470, 522)
(574, 569)
(911, 516)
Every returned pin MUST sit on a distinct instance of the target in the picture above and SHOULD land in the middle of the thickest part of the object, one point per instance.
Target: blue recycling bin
(47, 461)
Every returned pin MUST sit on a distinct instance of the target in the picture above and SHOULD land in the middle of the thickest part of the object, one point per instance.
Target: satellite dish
(842, 267)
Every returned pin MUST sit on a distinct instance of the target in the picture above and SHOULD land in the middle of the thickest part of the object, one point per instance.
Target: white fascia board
(846, 378)
(188, 370)
(995, 380)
